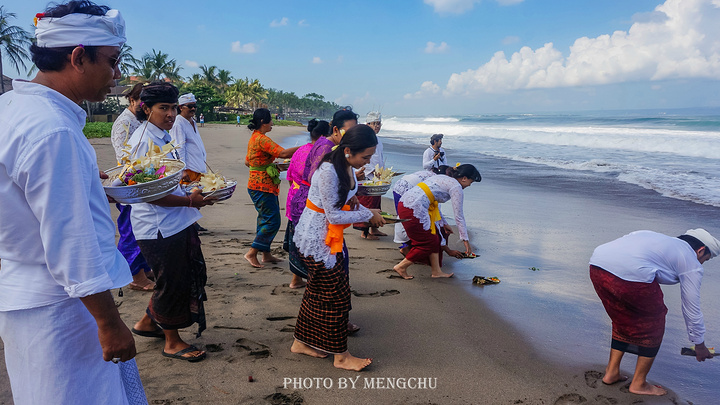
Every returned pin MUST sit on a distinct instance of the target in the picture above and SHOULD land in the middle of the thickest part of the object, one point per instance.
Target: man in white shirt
(434, 156)
(627, 274)
(58, 319)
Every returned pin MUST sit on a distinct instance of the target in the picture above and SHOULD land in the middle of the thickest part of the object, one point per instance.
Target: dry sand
(419, 330)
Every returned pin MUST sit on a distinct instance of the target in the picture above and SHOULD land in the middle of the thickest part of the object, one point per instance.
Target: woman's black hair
(357, 138)
(466, 170)
(694, 242)
(340, 116)
(54, 59)
(153, 93)
(260, 116)
(318, 129)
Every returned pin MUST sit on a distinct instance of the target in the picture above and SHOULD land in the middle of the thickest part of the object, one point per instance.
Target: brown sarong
(636, 309)
(323, 319)
(180, 277)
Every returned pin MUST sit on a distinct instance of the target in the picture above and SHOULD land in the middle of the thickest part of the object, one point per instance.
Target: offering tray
(144, 192)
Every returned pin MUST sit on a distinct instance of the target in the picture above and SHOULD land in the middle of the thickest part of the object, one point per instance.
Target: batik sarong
(636, 309)
(180, 278)
(323, 319)
(268, 220)
(297, 266)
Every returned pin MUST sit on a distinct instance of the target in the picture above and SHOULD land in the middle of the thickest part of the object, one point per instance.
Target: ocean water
(672, 152)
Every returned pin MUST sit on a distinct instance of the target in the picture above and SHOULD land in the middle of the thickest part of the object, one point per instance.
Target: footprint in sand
(570, 399)
(212, 347)
(593, 378)
(294, 398)
(279, 318)
(288, 328)
(285, 289)
(603, 400)
(255, 349)
(376, 293)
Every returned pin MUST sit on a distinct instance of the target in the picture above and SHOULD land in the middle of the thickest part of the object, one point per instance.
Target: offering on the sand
(144, 179)
(690, 351)
(382, 174)
(480, 280)
(468, 255)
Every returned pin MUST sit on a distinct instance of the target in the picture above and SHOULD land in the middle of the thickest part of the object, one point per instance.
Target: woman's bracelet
(190, 205)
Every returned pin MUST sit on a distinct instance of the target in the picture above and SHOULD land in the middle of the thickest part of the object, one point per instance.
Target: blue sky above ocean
(444, 57)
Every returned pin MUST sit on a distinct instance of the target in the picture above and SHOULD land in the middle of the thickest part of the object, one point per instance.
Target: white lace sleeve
(457, 196)
(119, 134)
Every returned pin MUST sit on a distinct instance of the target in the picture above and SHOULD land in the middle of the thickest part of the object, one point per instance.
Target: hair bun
(312, 124)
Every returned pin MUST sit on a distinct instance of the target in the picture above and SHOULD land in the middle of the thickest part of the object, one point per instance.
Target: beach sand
(422, 330)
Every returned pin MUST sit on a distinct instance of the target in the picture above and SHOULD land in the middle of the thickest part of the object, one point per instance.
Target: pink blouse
(294, 174)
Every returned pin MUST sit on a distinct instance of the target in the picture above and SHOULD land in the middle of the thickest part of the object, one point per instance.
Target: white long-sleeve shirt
(443, 188)
(312, 227)
(191, 148)
(147, 219)
(123, 127)
(429, 163)
(57, 238)
(645, 256)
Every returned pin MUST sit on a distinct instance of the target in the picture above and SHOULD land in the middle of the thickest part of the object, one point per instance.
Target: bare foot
(298, 284)
(613, 379)
(176, 351)
(369, 236)
(253, 260)
(377, 232)
(351, 363)
(405, 250)
(442, 275)
(403, 273)
(302, 348)
(268, 258)
(648, 389)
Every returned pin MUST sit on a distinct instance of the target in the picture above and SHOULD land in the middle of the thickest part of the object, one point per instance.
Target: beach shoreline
(424, 329)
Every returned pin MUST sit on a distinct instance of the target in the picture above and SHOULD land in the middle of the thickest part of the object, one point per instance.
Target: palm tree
(14, 42)
(237, 93)
(128, 62)
(172, 71)
(223, 80)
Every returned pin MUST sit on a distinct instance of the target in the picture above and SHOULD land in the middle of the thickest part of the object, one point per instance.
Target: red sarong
(637, 311)
(367, 201)
(422, 242)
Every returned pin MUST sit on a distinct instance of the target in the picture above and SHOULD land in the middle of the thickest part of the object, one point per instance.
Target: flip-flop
(149, 287)
(157, 333)
(179, 355)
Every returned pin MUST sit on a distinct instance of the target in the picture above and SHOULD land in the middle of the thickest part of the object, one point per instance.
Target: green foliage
(14, 42)
(287, 123)
(207, 98)
(310, 105)
(97, 129)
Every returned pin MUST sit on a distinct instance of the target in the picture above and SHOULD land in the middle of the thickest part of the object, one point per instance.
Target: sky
(443, 57)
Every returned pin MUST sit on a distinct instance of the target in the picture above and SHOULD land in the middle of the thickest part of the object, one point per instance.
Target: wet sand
(432, 339)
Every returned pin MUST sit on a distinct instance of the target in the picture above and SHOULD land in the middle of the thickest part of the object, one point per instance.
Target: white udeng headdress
(187, 98)
(81, 29)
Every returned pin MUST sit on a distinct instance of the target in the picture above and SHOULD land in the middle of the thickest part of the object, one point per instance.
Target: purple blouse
(321, 147)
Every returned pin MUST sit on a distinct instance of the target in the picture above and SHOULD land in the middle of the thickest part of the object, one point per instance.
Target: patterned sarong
(268, 221)
(323, 319)
(297, 266)
(180, 277)
(636, 309)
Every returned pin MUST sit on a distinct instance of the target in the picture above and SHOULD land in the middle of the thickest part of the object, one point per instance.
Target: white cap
(373, 116)
(707, 240)
(81, 29)
(186, 98)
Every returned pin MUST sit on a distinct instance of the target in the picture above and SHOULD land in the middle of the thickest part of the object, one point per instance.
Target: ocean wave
(441, 119)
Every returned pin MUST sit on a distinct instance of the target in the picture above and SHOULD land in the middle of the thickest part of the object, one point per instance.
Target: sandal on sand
(157, 333)
(147, 287)
(179, 355)
(352, 328)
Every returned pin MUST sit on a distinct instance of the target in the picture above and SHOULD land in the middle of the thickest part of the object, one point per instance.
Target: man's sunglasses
(191, 106)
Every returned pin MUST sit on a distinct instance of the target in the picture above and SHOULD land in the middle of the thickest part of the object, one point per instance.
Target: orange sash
(334, 237)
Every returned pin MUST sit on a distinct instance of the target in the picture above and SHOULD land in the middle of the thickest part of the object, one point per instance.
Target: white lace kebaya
(444, 188)
(312, 228)
(411, 180)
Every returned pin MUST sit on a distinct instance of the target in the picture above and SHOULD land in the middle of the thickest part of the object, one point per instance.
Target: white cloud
(681, 44)
(237, 47)
(317, 60)
(461, 6)
(426, 89)
(303, 23)
(432, 47)
(191, 63)
(511, 39)
(283, 21)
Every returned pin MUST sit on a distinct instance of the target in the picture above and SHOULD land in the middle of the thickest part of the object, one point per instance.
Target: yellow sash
(334, 237)
(433, 210)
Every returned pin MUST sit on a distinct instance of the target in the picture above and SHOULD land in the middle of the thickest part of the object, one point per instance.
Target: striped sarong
(323, 319)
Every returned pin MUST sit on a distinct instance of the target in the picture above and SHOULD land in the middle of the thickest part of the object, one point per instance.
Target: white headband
(186, 98)
(373, 116)
(708, 240)
(81, 29)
